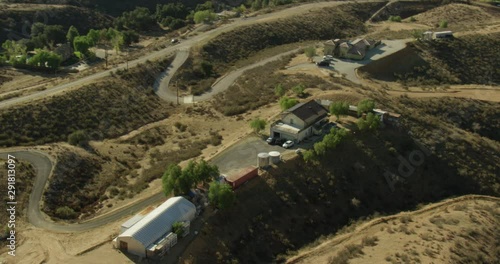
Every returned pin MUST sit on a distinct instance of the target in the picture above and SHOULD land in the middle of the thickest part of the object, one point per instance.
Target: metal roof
(160, 220)
(132, 221)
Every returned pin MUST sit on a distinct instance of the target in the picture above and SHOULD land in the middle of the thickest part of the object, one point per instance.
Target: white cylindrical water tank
(263, 159)
(274, 157)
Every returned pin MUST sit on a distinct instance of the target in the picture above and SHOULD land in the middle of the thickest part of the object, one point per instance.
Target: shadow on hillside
(296, 203)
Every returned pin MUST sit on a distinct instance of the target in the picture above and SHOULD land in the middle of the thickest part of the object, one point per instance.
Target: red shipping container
(238, 178)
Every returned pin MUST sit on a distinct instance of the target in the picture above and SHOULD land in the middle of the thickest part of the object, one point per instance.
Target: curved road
(183, 45)
(220, 85)
(43, 166)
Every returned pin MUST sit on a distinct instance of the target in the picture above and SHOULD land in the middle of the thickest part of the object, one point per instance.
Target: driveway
(161, 84)
(348, 67)
(243, 154)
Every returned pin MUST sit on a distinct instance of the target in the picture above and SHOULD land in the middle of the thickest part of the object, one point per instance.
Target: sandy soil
(421, 236)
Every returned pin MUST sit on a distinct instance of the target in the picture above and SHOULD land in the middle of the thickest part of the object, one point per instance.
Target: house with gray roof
(300, 122)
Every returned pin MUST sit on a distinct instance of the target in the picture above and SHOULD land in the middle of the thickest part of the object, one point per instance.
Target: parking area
(347, 67)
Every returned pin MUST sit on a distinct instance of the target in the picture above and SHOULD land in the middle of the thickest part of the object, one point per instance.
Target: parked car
(323, 63)
(174, 40)
(328, 58)
(288, 144)
(271, 141)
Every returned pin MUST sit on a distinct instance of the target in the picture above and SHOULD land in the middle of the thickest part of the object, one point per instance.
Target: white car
(328, 57)
(288, 144)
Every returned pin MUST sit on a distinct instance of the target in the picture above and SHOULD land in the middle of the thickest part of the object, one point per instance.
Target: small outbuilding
(155, 228)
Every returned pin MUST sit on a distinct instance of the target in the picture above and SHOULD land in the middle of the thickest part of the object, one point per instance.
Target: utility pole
(177, 86)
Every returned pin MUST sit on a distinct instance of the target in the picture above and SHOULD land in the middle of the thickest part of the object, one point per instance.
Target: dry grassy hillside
(461, 230)
(104, 109)
(294, 204)
(470, 59)
(458, 16)
(13, 16)
(25, 174)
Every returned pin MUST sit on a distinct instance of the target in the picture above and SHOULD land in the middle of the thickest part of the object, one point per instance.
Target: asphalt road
(183, 45)
(161, 85)
(241, 155)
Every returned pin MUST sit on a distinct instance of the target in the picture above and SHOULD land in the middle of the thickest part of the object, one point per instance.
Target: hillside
(292, 205)
(105, 109)
(460, 230)
(115, 7)
(458, 16)
(12, 17)
(469, 59)
(224, 50)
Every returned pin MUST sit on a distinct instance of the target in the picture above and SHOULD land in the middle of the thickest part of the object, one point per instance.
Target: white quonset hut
(155, 226)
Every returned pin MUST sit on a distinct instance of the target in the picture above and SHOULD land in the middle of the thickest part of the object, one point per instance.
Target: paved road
(161, 84)
(238, 156)
(183, 45)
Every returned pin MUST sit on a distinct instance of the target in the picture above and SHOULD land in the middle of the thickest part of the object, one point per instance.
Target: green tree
(178, 228)
(82, 44)
(44, 58)
(256, 5)
(370, 123)
(279, 90)
(286, 103)
(339, 109)
(205, 173)
(310, 52)
(221, 195)
(208, 5)
(72, 34)
(139, 19)
(173, 182)
(130, 36)
(205, 16)
(330, 141)
(174, 10)
(13, 49)
(309, 155)
(55, 34)
(365, 106)
(94, 36)
(299, 90)
(258, 124)
(78, 138)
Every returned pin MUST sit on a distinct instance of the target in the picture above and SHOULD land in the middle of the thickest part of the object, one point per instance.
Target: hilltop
(460, 230)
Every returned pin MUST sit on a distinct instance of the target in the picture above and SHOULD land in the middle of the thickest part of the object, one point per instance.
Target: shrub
(65, 213)
(287, 103)
(258, 124)
(395, 18)
(78, 137)
(443, 24)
